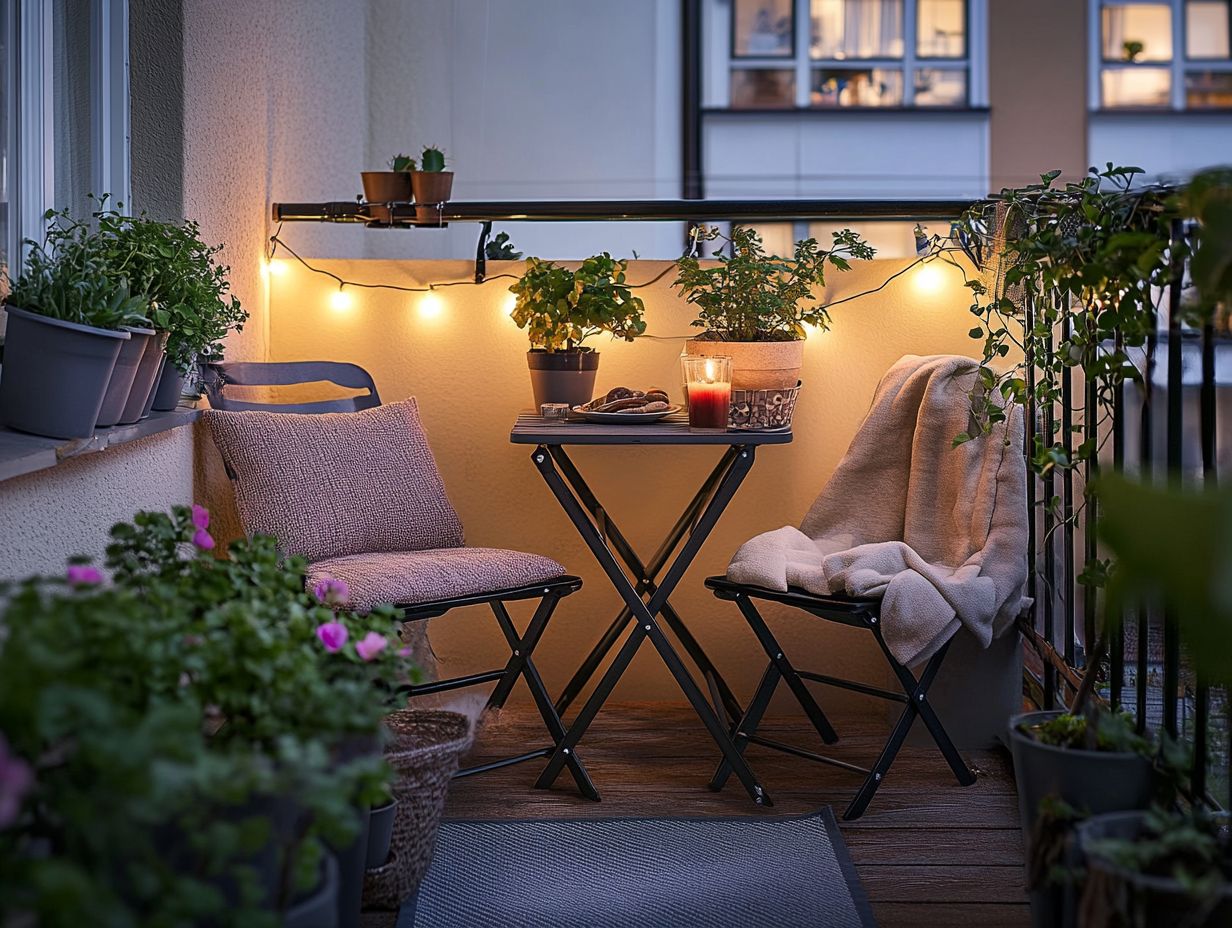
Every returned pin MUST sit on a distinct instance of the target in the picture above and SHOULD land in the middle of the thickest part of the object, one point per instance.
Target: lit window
(1137, 32)
(1137, 87)
(1208, 28)
(937, 87)
(857, 87)
(843, 29)
(1208, 89)
(763, 29)
(941, 29)
(763, 88)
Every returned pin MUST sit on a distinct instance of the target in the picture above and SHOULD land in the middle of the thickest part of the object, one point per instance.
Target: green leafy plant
(432, 160)
(71, 275)
(1132, 49)
(561, 308)
(500, 248)
(1106, 731)
(401, 163)
(752, 296)
(170, 265)
(1208, 199)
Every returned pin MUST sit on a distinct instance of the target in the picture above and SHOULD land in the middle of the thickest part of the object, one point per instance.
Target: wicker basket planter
(762, 409)
(424, 750)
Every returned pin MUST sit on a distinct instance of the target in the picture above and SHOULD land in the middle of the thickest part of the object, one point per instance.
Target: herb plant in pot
(560, 309)
(432, 185)
(754, 307)
(66, 316)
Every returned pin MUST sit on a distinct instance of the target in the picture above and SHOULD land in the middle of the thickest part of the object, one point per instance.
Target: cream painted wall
(466, 366)
(49, 515)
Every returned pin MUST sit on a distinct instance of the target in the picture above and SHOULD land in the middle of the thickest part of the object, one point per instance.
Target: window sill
(849, 111)
(25, 454)
(1222, 112)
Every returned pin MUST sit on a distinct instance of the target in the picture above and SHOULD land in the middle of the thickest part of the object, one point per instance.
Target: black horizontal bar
(852, 685)
(505, 762)
(807, 755)
(454, 683)
(625, 210)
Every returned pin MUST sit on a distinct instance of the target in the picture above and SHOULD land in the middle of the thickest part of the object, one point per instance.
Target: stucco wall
(466, 365)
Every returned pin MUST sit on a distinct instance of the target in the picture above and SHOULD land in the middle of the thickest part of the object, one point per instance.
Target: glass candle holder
(707, 388)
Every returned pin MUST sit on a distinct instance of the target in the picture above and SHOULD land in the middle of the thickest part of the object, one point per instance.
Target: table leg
(645, 614)
(644, 578)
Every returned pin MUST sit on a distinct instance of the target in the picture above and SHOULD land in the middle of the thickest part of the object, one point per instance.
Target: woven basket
(424, 749)
(762, 409)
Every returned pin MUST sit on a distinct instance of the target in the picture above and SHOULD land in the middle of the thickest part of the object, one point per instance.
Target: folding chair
(857, 613)
(395, 576)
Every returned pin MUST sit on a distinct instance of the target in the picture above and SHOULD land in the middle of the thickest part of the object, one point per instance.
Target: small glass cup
(707, 390)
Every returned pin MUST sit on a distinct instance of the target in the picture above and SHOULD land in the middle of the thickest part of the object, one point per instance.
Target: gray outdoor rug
(781, 872)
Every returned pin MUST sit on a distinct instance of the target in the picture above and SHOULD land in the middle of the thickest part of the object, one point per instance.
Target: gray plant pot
(55, 374)
(352, 861)
(139, 397)
(122, 376)
(318, 909)
(1154, 900)
(169, 389)
(1092, 781)
(380, 833)
(563, 376)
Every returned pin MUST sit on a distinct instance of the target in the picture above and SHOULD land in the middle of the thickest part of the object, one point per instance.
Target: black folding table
(645, 596)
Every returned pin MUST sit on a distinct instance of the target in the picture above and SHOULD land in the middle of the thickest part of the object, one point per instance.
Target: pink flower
(333, 635)
(203, 539)
(370, 645)
(200, 516)
(15, 781)
(83, 575)
(331, 592)
(404, 652)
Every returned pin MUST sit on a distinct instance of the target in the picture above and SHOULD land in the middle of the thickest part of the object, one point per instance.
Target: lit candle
(708, 391)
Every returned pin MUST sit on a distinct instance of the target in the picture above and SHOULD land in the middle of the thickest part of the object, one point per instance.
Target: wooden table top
(532, 429)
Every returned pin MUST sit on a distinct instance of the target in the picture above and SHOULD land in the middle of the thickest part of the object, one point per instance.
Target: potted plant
(562, 308)
(66, 315)
(754, 307)
(392, 186)
(431, 184)
(191, 306)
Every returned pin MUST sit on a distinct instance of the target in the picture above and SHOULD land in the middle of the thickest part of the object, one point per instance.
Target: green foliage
(401, 163)
(1111, 731)
(1132, 49)
(180, 722)
(561, 308)
(500, 248)
(71, 276)
(752, 296)
(1208, 199)
(432, 159)
(178, 273)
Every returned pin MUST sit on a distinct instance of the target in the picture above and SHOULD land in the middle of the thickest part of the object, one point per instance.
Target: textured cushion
(408, 577)
(334, 484)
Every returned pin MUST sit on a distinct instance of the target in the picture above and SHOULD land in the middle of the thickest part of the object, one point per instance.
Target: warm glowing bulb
(511, 303)
(341, 300)
(929, 278)
(431, 305)
(276, 267)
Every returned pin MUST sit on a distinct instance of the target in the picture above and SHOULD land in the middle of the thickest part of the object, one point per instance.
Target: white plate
(627, 418)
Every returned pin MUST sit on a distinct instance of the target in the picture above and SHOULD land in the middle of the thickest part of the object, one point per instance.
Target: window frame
(1178, 66)
(722, 62)
(30, 96)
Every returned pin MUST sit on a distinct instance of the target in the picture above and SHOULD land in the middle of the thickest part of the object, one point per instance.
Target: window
(1164, 55)
(853, 53)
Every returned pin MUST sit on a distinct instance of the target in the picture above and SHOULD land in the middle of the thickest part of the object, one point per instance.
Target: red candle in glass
(708, 388)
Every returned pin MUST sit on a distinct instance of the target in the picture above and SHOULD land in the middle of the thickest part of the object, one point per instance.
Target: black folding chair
(857, 613)
(220, 375)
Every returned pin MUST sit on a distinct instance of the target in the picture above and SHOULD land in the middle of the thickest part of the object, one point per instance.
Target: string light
(431, 305)
(928, 278)
(340, 300)
(511, 303)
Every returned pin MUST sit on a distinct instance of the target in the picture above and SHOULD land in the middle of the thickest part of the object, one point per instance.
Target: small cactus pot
(431, 188)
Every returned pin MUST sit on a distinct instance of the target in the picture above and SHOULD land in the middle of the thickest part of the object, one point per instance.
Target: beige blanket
(940, 533)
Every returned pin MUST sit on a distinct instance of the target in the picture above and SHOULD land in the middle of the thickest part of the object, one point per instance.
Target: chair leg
(522, 665)
(747, 725)
(784, 667)
(869, 787)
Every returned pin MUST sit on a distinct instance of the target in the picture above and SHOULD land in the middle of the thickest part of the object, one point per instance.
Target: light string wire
(937, 248)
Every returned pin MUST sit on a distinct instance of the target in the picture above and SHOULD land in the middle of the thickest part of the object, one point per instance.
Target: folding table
(645, 596)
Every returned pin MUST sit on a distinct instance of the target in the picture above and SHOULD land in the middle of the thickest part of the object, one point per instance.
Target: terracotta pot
(755, 365)
(430, 188)
(387, 186)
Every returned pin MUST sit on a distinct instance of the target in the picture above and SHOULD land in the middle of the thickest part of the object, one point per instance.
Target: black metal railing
(1146, 673)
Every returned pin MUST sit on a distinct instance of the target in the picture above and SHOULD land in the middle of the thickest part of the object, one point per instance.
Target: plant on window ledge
(751, 298)
(560, 309)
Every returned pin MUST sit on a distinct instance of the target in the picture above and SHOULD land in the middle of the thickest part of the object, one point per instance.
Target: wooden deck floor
(929, 852)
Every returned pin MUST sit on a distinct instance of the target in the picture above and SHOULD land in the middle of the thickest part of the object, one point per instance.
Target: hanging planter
(431, 185)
